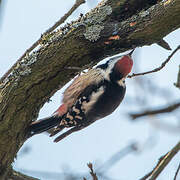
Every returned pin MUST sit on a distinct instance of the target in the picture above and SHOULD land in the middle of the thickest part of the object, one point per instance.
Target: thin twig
(159, 68)
(167, 109)
(93, 174)
(177, 84)
(177, 171)
(163, 161)
(58, 23)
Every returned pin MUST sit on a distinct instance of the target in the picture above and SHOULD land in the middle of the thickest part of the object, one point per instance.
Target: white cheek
(108, 71)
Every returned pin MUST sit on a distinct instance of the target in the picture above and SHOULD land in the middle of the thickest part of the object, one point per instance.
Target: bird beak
(131, 52)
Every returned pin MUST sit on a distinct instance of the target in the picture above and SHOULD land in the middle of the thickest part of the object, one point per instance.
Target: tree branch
(159, 68)
(14, 175)
(177, 171)
(177, 84)
(163, 161)
(93, 174)
(166, 109)
(39, 74)
(43, 36)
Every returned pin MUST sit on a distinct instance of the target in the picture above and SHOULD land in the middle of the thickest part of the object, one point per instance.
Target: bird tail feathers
(44, 125)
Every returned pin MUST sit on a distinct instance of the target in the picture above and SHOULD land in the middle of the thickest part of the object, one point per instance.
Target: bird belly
(106, 103)
(99, 104)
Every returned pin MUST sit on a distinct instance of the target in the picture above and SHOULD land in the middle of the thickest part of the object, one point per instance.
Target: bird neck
(116, 77)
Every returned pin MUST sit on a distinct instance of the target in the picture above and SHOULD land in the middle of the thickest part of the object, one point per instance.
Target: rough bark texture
(114, 26)
(14, 175)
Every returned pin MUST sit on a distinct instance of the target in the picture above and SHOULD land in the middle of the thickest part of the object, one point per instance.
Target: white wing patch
(93, 76)
(86, 106)
(108, 71)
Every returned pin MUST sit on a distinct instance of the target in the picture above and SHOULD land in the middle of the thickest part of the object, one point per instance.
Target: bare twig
(92, 171)
(58, 23)
(159, 68)
(167, 109)
(177, 84)
(177, 171)
(162, 163)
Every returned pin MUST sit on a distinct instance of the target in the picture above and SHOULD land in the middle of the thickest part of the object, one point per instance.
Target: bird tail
(43, 125)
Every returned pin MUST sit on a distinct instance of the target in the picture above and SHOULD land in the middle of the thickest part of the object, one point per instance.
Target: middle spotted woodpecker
(92, 96)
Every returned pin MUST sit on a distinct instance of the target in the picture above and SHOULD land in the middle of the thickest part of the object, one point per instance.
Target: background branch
(177, 171)
(163, 162)
(177, 84)
(159, 68)
(166, 109)
(93, 174)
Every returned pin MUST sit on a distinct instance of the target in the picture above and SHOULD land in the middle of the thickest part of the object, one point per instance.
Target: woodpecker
(92, 96)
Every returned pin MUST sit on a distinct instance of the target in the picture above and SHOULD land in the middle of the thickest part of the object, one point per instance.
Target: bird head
(119, 67)
(124, 65)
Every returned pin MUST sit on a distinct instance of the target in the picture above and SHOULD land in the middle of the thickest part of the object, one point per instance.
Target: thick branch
(51, 29)
(14, 175)
(86, 41)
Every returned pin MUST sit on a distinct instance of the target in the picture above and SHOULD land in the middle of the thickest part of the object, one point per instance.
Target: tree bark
(14, 175)
(114, 26)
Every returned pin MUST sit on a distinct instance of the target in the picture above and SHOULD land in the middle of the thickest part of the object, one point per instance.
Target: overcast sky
(23, 23)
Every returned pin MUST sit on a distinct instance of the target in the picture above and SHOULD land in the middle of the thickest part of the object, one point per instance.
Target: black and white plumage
(92, 96)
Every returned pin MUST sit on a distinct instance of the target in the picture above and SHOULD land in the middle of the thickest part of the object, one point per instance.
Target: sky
(23, 23)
